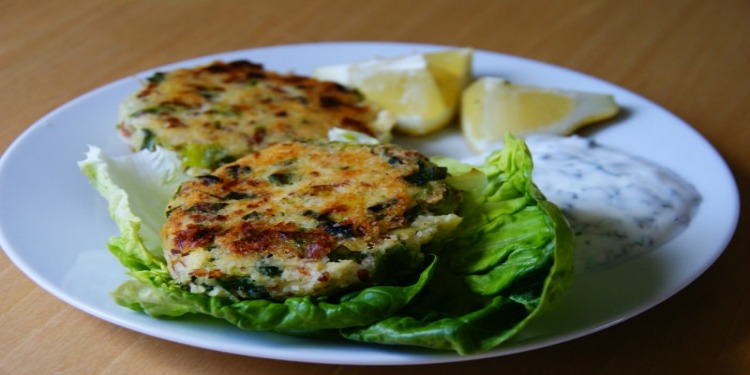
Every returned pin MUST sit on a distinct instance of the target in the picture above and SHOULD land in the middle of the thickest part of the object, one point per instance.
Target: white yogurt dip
(619, 206)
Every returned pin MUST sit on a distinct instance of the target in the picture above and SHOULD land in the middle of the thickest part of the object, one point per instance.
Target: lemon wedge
(491, 107)
(422, 91)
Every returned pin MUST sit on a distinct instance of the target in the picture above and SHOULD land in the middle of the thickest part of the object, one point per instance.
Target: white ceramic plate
(54, 226)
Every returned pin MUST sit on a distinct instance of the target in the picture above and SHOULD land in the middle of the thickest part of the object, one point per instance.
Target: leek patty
(307, 219)
(220, 112)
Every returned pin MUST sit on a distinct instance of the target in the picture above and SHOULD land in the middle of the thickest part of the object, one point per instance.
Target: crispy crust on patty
(305, 218)
(222, 111)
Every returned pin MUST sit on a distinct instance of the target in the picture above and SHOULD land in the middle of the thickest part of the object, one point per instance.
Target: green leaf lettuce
(509, 259)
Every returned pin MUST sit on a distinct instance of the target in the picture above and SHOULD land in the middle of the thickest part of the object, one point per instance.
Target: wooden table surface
(690, 56)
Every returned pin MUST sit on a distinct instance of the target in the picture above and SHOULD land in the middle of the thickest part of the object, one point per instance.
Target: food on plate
(294, 216)
(222, 111)
(492, 106)
(421, 90)
(307, 219)
(510, 256)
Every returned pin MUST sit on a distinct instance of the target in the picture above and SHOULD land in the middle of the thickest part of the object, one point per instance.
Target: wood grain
(690, 56)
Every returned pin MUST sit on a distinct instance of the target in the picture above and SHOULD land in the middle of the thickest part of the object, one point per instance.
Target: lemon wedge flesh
(422, 91)
(491, 107)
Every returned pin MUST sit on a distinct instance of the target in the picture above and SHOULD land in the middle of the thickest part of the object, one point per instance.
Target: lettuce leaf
(509, 258)
(155, 294)
(138, 188)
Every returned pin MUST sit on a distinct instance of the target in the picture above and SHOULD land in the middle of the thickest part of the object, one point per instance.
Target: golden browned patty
(219, 112)
(307, 218)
